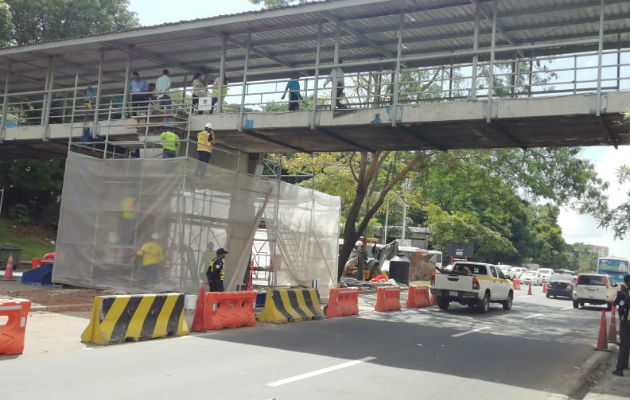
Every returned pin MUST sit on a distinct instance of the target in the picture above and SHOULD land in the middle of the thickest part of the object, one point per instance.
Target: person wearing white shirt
(162, 87)
(336, 75)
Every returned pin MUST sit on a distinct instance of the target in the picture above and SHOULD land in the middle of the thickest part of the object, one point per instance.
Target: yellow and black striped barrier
(291, 305)
(141, 316)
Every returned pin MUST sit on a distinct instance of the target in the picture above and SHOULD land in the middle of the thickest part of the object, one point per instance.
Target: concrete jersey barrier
(144, 316)
(291, 305)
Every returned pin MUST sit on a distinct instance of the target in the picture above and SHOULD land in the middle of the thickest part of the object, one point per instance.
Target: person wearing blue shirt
(293, 87)
(138, 88)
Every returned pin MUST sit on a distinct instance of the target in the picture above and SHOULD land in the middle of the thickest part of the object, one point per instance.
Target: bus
(614, 267)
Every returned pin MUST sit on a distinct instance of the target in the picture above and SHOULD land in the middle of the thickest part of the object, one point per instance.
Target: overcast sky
(575, 228)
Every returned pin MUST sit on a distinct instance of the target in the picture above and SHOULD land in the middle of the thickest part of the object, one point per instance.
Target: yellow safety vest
(203, 141)
(170, 140)
(151, 253)
(128, 207)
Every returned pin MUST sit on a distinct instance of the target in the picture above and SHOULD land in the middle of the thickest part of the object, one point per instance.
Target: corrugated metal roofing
(285, 39)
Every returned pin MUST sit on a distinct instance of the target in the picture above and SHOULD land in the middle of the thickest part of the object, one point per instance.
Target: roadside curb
(578, 389)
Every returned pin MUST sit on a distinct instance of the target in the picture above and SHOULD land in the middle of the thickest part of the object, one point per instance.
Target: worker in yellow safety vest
(205, 143)
(152, 258)
(170, 142)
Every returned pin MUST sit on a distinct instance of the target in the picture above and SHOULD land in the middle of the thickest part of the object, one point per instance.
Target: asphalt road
(535, 351)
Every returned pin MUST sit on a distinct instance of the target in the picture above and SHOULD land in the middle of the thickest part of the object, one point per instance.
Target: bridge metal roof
(435, 32)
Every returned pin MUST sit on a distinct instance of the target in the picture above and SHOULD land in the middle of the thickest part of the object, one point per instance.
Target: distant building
(601, 251)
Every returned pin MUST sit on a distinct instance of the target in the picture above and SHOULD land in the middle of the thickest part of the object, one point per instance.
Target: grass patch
(34, 240)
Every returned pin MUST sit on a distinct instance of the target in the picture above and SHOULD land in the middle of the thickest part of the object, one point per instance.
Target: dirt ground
(51, 299)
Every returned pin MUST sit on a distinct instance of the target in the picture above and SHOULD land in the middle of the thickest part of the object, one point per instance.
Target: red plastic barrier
(12, 332)
(418, 297)
(516, 284)
(343, 302)
(387, 298)
(229, 310)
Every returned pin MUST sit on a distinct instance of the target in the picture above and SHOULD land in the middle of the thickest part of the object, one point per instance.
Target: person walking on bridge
(216, 272)
(336, 75)
(622, 302)
(293, 87)
(170, 142)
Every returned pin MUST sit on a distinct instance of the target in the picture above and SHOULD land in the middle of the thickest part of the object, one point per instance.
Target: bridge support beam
(600, 50)
(401, 22)
(5, 103)
(491, 67)
(126, 88)
(316, 87)
(219, 107)
(241, 112)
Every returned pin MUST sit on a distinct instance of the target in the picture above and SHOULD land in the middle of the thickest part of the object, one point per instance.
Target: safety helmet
(358, 243)
(208, 125)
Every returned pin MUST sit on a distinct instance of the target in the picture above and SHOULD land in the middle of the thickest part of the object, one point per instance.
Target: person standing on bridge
(336, 75)
(163, 86)
(293, 87)
(138, 88)
(216, 272)
(622, 302)
(205, 144)
(199, 90)
(170, 142)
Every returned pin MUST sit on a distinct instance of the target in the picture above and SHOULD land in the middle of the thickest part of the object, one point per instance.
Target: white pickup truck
(473, 284)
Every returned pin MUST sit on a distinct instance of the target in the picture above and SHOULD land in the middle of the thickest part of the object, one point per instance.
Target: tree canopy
(33, 21)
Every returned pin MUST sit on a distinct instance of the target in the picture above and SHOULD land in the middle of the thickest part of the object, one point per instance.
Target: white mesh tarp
(111, 209)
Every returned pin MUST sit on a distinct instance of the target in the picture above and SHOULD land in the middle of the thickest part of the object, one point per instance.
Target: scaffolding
(111, 208)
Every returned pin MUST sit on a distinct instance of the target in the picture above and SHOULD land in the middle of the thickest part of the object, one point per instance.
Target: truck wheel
(507, 304)
(443, 303)
(576, 304)
(484, 304)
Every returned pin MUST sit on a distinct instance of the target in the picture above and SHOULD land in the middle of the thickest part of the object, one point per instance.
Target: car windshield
(596, 280)
(530, 273)
(562, 278)
(545, 271)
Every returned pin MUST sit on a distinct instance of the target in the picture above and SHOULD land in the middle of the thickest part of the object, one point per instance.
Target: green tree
(619, 217)
(34, 21)
(6, 24)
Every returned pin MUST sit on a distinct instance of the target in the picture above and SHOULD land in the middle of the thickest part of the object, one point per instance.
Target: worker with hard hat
(152, 255)
(205, 144)
(170, 142)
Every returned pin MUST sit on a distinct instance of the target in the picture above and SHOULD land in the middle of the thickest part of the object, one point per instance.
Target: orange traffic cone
(197, 324)
(544, 288)
(529, 291)
(8, 272)
(612, 328)
(602, 342)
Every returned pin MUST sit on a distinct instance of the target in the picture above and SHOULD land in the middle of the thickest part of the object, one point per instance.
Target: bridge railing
(552, 75)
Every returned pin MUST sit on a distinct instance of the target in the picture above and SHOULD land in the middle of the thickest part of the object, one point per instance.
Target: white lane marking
(567, 308)
(319, 372)
(469, 332)
(533, 316)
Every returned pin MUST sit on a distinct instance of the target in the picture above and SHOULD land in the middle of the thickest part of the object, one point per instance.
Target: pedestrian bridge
(416, 75)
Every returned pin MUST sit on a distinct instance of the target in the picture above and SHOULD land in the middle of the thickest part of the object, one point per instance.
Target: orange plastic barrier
(343, 302)
(387, 298)
(12, 332)
(418, 297)
(516, 284)
(36, 263)
(229, 310)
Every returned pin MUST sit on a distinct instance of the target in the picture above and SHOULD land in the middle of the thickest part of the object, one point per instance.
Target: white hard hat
(208, 125)
(155, 236)
(358, 243)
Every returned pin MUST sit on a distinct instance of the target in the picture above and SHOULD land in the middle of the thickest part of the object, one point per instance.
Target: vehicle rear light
(433, 280)
(476, 284)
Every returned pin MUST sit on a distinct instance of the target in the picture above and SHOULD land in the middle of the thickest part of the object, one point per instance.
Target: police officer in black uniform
(216, 272)
(623, 306)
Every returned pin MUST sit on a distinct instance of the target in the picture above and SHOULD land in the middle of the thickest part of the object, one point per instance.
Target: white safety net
(150, 225)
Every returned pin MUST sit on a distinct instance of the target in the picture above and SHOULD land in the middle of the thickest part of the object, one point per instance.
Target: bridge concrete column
(316, 88)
